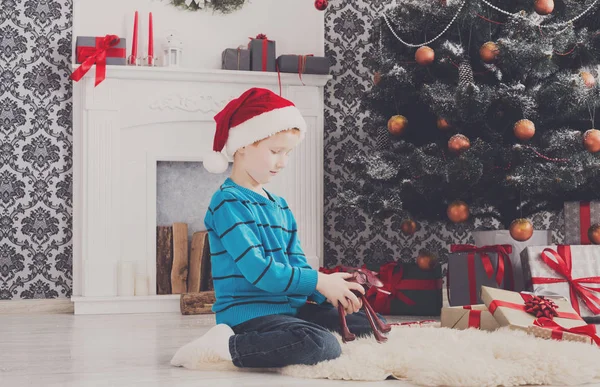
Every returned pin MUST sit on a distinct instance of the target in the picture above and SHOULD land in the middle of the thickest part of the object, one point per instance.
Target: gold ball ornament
(521, 229)
(443, 124)
(594, 234)
(458, 143)
(424, 56)
(591, 140)
(458, 211)
(408, 227)
(524, 130)
(544, 7)
(489, 52)
(397, 125)
(426, 261)
(588, 79)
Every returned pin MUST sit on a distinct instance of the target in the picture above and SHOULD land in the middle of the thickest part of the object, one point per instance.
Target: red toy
(366, 278)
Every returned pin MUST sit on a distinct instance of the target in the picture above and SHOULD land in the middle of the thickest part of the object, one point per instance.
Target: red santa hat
(253, 116)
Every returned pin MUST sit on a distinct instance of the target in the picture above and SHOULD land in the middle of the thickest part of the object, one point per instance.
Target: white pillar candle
(126, 280)
(141, 285)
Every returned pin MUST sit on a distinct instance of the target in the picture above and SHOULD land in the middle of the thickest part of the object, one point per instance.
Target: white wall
(296, 25)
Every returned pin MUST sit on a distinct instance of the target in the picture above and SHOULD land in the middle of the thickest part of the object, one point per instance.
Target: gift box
(87, 46)
(540, 316)
(502, 237)
(470, 267)
(303, 64)
(579, 217)
(235, 59)
(412, 291)
(570, 271)
(262, 54)
(468, 316)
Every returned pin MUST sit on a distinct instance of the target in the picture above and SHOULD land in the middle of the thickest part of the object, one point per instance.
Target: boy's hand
(339, 291)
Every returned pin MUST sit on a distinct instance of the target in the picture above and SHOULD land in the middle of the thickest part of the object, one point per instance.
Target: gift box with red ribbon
(545, 317)
(468, 316)
(413, 291)
(235, 59)
(99, 51)
(579, 217)
(262, 53)
(569, 271)
(303, 64)
(470, 267)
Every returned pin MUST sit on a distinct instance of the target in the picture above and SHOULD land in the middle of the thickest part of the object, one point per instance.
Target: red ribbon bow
(540, 306)
(558, 330)
(495, 304)
(393, 284)
(89, 55)
(562, 264)
(504, 272)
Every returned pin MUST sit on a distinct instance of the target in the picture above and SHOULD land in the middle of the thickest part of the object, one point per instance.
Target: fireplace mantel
(138, 116)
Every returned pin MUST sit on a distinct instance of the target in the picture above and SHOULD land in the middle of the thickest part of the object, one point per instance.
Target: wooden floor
(116, 350)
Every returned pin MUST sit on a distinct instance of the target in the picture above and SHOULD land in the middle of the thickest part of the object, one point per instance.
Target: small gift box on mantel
(99, 51)
(468, 316)
(545, 317)
(470, 267)
(303, 64)
(262, 53)
(570, 271)
(235, 59)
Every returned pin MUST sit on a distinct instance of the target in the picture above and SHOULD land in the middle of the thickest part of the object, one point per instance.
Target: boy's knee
(325, 346)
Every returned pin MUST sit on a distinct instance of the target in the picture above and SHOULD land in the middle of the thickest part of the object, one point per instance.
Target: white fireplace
(140, 116)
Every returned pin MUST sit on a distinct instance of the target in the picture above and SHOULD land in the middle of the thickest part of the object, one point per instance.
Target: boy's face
(265, 159)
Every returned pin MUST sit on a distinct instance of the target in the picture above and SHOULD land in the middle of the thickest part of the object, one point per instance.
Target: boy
(261, 278)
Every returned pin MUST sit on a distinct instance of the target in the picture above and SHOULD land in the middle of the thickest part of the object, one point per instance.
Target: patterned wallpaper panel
(35, 149)
(353, 237)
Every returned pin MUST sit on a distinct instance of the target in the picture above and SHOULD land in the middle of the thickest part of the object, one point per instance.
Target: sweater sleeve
(297, 257)
(235, 226)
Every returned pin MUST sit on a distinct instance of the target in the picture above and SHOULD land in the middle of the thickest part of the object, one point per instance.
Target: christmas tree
(481, 108)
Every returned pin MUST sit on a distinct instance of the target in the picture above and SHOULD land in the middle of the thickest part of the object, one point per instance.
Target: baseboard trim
(168, 303)
(37, 306)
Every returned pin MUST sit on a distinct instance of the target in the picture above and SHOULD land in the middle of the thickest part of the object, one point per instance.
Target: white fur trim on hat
(264, 125)
(215, 162)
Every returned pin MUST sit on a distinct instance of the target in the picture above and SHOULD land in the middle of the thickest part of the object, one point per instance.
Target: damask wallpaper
(352, 236)
(35, 149)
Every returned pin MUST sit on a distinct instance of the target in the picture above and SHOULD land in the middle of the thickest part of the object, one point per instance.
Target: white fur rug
(433, 356)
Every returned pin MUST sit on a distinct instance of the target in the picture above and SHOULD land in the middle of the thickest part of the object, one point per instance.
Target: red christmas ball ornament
(408, 227)
(426, 261)
(397, 125)
(594, 234)
(588, 79)
(521, 229)
(424, 56)
(489, 52)
(458, 143)
(544, 7)
(443, 124)
(524, 129)
(321, 4)
(591, 140)
(458, 211)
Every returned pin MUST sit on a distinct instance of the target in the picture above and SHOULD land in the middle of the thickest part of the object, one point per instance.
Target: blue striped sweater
(258, 266)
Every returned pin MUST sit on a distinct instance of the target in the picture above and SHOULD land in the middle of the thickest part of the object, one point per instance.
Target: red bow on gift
(90, 55)
(562, 265)
(504, 272)
(558, 330)
(540, 306)
(393, 283)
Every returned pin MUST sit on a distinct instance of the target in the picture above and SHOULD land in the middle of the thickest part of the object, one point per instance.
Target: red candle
(135, 37)
(150, 41)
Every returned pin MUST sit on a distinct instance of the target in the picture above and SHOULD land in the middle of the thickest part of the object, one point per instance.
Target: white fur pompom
(215, 162)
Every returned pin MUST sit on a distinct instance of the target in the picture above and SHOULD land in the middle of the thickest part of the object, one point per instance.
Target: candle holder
(134, 61)
(150, 61)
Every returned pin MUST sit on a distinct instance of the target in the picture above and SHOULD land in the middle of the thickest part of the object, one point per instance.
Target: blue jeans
(282, 340)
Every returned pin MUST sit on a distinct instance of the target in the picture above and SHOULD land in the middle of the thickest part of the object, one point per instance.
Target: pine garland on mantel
(222, 6)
